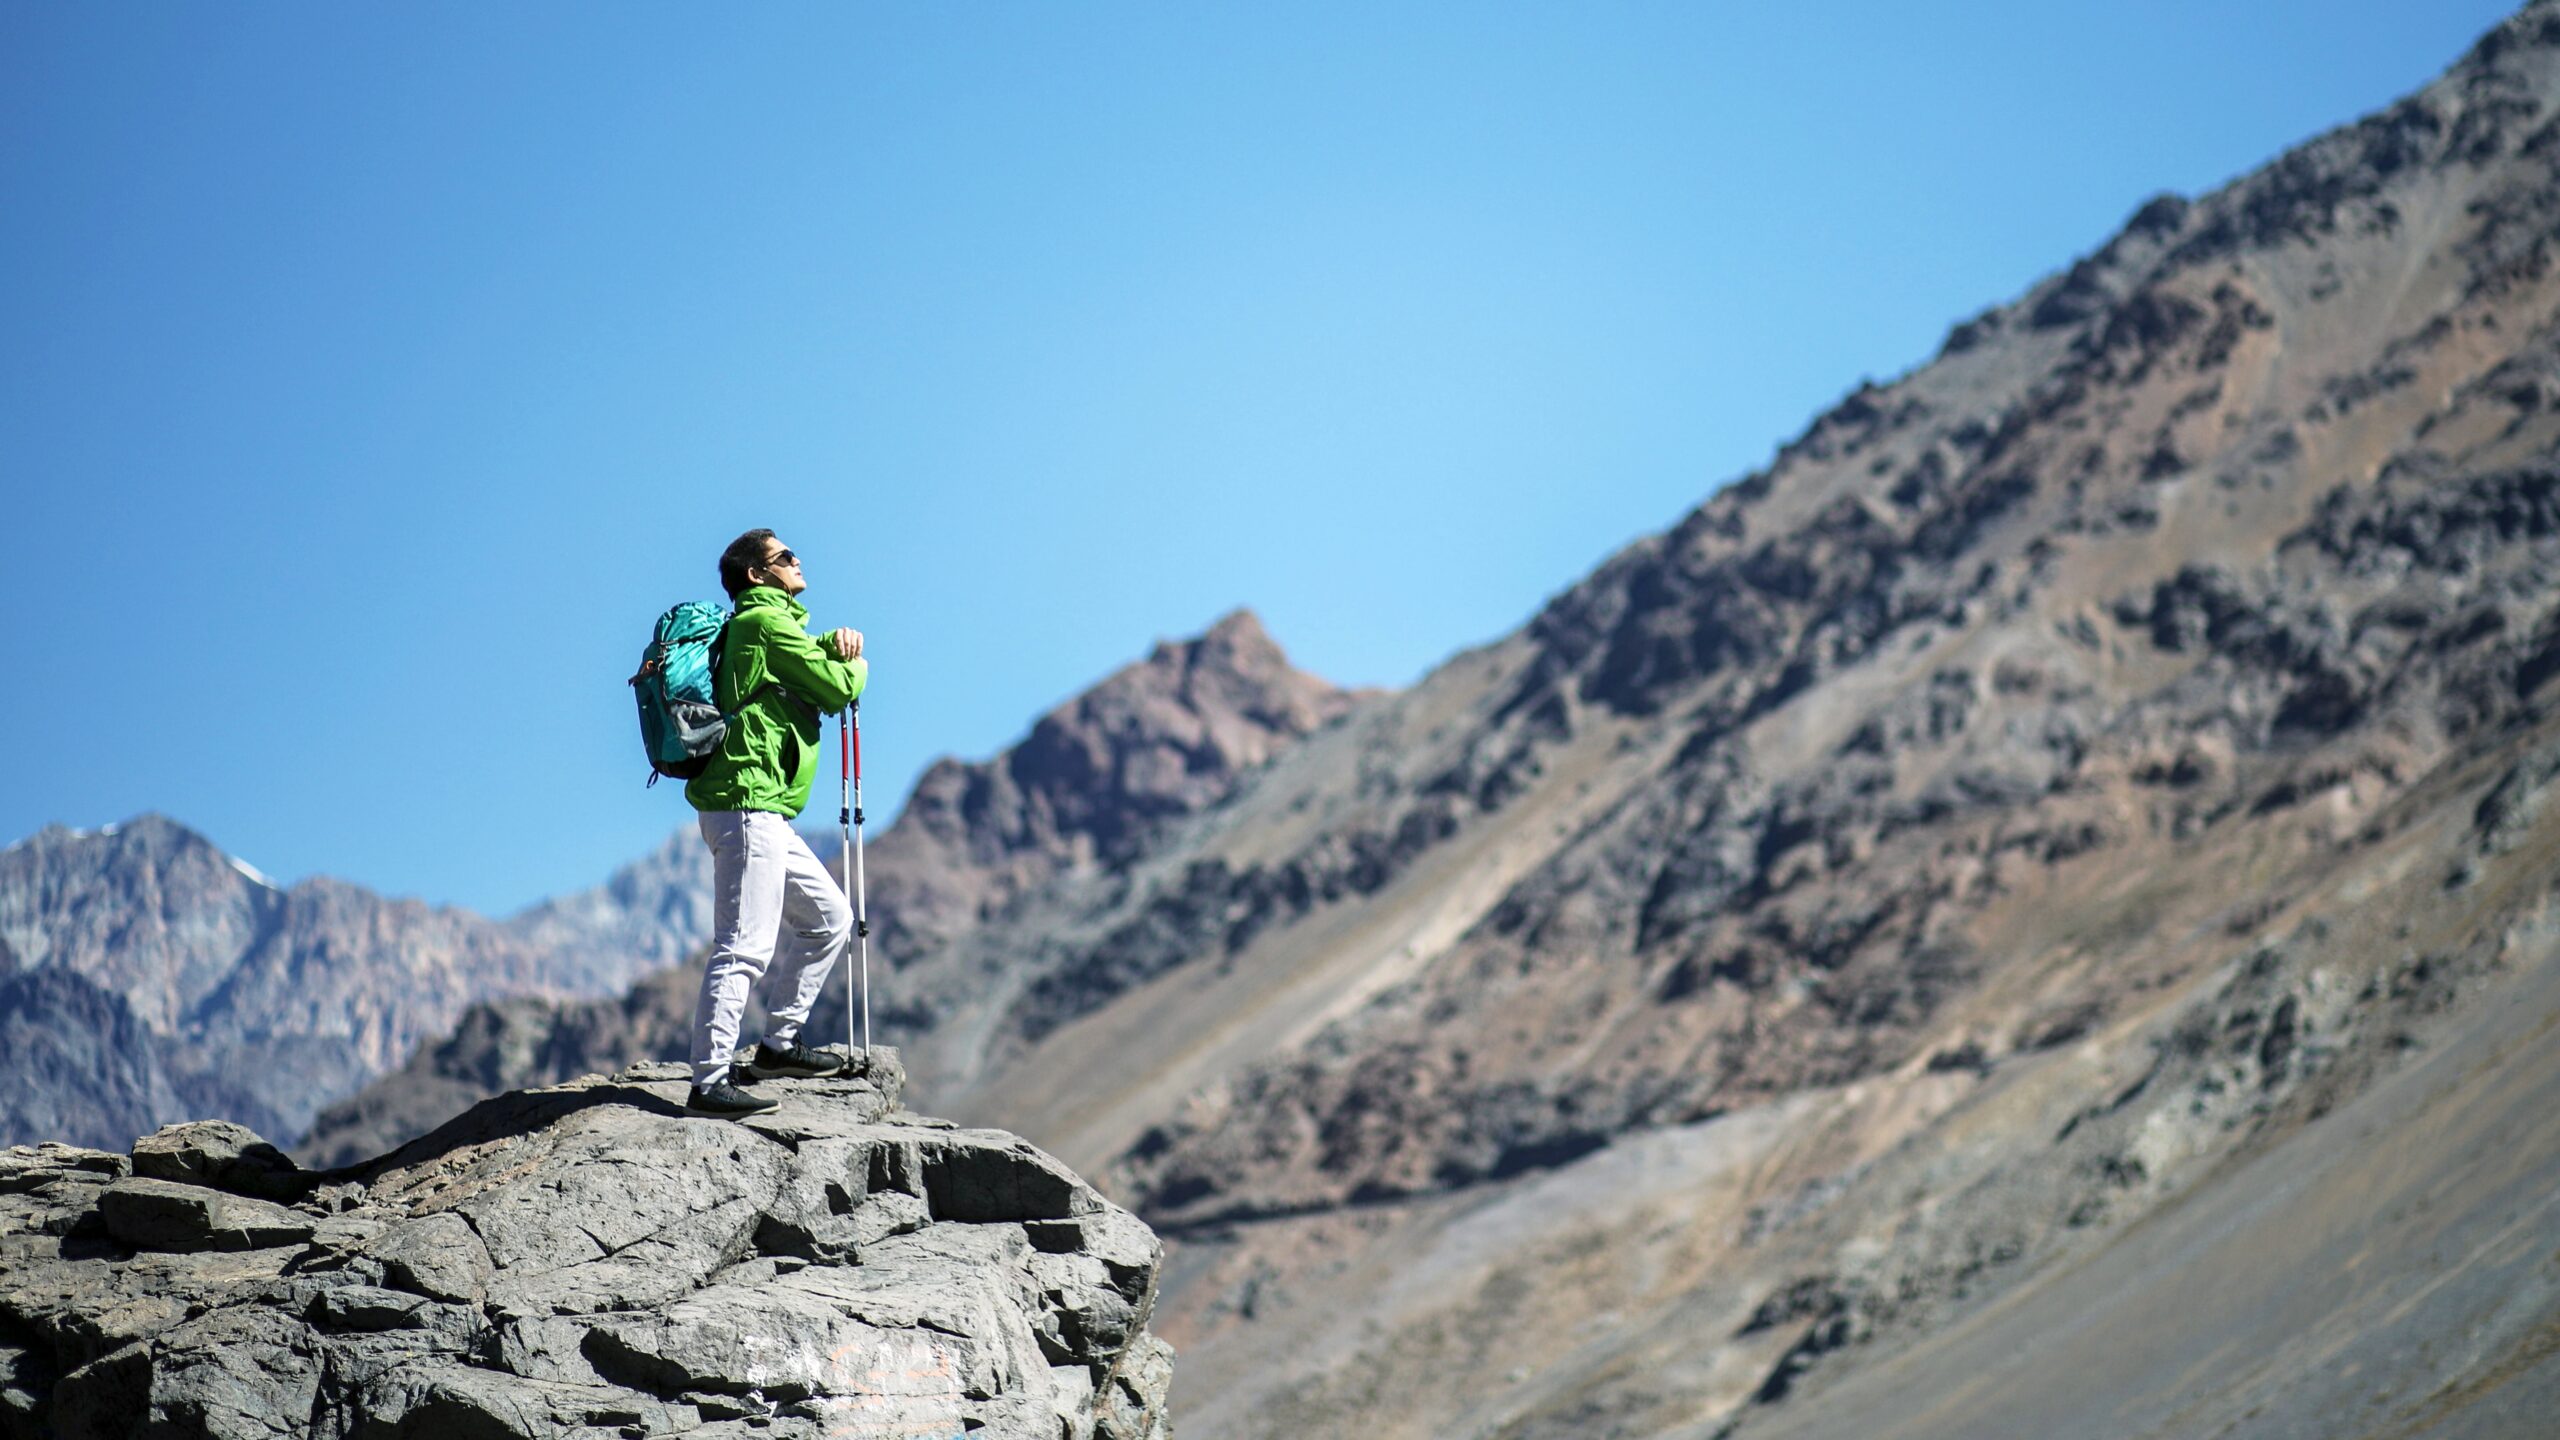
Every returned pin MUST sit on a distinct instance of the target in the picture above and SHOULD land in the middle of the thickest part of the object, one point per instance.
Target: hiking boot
(725, 1100)
(794, 1061)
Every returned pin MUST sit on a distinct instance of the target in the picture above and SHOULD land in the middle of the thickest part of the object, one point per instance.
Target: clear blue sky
(370, 376)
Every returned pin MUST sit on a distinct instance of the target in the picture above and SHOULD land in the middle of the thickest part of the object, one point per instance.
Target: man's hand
(848, 643)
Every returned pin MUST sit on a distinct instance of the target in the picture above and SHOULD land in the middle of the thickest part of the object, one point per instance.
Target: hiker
(768, 889)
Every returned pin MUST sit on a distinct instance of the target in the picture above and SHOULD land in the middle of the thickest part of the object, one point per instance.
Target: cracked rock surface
(587, 1260)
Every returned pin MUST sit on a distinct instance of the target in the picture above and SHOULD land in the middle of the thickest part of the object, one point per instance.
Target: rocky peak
(148, 909)
(2293, 438)
(583, 1260)
(1166, 737)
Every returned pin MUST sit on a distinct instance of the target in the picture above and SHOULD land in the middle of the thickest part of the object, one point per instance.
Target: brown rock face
(1098, 777)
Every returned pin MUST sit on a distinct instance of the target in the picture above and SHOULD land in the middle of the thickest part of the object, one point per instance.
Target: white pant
(767, 887)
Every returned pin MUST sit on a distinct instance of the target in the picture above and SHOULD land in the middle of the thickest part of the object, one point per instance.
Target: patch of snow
(252, 871)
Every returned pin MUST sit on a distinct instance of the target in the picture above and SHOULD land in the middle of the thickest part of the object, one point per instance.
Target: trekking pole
(849, 816)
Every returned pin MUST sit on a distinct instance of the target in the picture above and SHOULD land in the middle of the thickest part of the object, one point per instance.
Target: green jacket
(776, 681)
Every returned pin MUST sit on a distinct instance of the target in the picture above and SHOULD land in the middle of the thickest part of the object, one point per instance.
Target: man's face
(781, 569)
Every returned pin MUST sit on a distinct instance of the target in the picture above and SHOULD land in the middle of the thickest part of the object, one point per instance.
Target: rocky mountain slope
(2032, 914)
(1976, 851)
(583, 1261)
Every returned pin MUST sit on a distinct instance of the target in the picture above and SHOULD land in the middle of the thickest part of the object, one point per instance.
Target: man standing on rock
(768, 888)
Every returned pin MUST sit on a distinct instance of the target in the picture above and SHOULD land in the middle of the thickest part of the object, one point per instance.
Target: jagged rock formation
(178, 981)
(583, 1261)
(1095, 784)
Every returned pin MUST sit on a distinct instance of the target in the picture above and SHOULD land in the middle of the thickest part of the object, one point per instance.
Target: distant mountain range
(146, 977)
(2033, 914)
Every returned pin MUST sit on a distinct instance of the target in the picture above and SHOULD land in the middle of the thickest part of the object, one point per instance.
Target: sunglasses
(781, 558)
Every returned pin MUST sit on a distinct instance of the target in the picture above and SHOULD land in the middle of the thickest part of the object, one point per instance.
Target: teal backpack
(680, 719)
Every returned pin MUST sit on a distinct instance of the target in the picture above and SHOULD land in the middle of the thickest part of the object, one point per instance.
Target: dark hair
(744, 554)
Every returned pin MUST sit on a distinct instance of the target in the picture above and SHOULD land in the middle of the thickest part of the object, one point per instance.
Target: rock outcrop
(586, 1260)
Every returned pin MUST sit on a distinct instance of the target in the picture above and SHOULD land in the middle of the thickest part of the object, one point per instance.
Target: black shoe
(795, 1061)
(724, 1099)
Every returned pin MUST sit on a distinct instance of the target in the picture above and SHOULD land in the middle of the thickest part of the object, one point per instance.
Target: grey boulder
(166, 1215)
(223, 1155)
